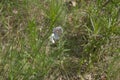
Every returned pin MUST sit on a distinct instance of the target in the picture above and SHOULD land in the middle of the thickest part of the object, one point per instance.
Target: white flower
(52, 38)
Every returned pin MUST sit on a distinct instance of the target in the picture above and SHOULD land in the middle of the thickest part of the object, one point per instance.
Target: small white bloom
(52, 38)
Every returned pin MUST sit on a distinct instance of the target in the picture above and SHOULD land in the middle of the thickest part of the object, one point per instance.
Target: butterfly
(56, 34)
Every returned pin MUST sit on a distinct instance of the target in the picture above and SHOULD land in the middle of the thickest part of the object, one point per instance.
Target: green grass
(89, 46)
